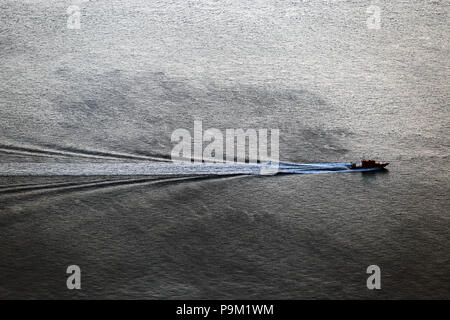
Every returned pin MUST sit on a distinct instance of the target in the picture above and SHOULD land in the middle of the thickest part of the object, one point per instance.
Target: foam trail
(173, 168)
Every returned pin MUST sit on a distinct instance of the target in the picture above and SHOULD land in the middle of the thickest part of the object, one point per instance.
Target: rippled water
(115, 90)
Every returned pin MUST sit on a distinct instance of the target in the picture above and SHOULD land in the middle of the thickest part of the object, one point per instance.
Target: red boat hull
(369, 164)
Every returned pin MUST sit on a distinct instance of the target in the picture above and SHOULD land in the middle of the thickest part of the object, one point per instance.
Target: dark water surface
(115, 90)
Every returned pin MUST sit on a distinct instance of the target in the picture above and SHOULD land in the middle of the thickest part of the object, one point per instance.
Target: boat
(368, 164)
